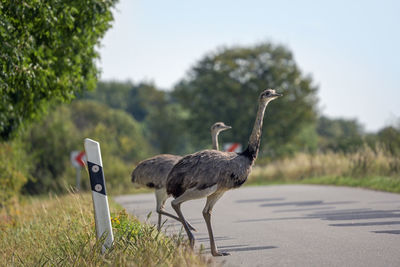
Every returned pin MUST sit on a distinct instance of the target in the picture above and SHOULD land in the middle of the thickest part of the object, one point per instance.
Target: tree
(166, 128)
(47, 54)
(119, 133)
(162, 117)
(224, 86)
(339, 134)
(50, 142)
(390, 138)
(136, 99)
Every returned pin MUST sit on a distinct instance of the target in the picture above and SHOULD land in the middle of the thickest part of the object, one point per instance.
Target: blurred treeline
(135, 120)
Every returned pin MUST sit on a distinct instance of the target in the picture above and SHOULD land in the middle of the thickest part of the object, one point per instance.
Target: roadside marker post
(99, 195)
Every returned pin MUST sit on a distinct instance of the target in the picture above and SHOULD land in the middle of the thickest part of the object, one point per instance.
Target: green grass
(60, 231)
(389, 184)
(374, 169)
(381, 183)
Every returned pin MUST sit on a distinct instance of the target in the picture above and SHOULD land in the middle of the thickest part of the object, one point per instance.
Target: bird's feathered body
(152, 172)
(209, 173)
(206, 168)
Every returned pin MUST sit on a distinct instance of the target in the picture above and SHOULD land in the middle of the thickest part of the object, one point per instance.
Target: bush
(365, 162)
(51, 141)
(12, 173)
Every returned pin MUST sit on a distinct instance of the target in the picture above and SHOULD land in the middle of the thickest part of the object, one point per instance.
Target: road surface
(293, 225)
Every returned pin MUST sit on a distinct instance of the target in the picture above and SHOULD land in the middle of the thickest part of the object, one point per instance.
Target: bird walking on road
(209, 173)
(153, 173)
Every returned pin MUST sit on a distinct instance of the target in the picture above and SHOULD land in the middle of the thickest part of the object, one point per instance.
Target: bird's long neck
(214, 135)
(254, 142)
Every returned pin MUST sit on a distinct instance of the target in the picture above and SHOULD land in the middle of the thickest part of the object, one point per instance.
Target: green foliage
(13, 172)
(163, 119)
(339, 134)
(136, 99)
(389, 137)
(47, 54)
(224, 86)
(118, 133)
(51, 141)
(166, 129)
(381, 183)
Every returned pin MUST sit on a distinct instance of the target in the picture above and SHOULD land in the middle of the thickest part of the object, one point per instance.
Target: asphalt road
(293, 225)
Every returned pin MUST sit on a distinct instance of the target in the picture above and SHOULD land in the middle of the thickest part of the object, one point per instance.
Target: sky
(349, 48)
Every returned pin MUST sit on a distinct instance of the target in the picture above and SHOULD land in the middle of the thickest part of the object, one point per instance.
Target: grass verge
(374, 169)
(60, 231)
(381, 183)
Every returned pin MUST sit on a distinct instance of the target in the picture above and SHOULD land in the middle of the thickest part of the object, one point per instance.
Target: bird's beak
(277, 95)
(228, 127)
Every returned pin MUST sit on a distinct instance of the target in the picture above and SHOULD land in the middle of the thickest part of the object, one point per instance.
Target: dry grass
(356, 169)
(59, 231)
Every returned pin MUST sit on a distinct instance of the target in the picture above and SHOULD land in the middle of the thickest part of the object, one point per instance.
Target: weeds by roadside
(375, 169)
(60, 231)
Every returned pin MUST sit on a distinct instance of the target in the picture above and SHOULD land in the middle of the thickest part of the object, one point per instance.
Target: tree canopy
(162, 118)
(225, 85)
(339, 134)
(136, 99)
(50, 142)
(47, 54)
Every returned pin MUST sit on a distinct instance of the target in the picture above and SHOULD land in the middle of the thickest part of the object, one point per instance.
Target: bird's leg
(163, 212)
(177, 208)
(159, 222)
(211, 200)
(161, 197)
(192, 193)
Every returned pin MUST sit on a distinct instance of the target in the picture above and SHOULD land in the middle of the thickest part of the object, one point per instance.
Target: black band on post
(97, 182)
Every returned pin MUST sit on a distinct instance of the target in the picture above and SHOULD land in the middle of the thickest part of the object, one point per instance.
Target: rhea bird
(210, 173)
(153, 173)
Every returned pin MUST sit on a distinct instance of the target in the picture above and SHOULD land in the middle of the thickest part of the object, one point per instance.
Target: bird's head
(219, 127)
(269, 95)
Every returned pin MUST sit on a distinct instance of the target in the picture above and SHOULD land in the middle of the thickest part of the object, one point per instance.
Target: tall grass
(356, 169)
(59, 231)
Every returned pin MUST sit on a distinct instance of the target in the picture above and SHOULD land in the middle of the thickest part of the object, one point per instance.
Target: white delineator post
(98, 185)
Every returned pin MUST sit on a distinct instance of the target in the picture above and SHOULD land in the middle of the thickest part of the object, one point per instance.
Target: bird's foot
(220, 253)
(192, 228)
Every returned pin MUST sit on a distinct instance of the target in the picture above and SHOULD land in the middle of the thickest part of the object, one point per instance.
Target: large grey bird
(209, 173)
(153, 172)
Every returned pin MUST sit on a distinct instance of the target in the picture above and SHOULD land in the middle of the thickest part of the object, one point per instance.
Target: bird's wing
(153, 172)
(201, 170)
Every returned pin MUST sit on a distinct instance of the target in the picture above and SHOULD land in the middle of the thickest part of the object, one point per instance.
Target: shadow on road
(338, 215)
(305, 203)
(361, 214)
(217, 238)
(258, 200)
(307, 209)
(393, 232)
(237, 248)
(365, 224)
